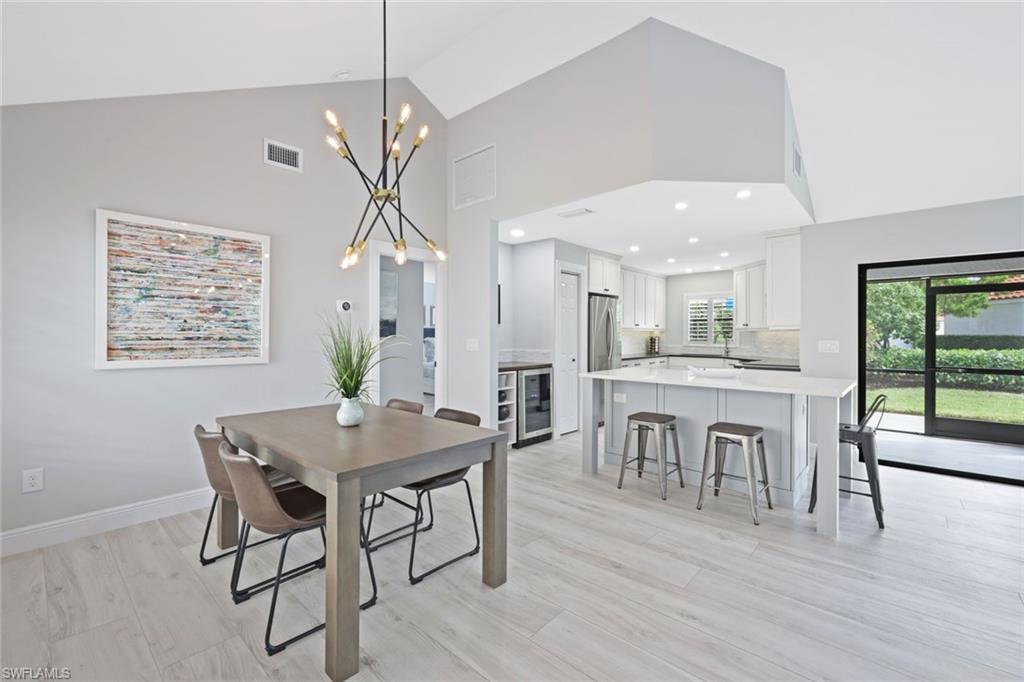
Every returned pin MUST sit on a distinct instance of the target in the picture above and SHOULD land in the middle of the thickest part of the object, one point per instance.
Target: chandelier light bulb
(403, 117)
(333, 143)
(441, 254)
(400, 254)
(396, 150)
(331, 118)
(422, 135)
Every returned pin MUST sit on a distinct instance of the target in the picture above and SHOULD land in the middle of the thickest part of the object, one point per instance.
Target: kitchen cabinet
(604, 275)
(749, 297)
(782, 282)
(643, 302)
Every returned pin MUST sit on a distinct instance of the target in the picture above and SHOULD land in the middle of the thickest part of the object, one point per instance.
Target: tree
(896, 311)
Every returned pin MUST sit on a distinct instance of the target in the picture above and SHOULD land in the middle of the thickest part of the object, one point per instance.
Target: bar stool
(644, 423)
(724, 434)
(862, 437)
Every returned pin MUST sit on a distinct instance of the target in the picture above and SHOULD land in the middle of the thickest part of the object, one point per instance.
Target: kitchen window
(709, 318)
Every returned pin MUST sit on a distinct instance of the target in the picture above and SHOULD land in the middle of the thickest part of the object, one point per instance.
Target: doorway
(567, 349)
(943, 340)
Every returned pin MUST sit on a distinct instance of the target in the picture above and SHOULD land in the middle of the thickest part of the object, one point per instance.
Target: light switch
(619, 397)
(828, 346)
(473, 344)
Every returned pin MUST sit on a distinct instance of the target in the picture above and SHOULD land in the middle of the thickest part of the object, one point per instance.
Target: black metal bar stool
(661, 424)
(751, 439)
(862, 437)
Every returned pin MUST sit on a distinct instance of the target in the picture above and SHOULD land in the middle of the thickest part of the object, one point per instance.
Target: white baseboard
(73, 527)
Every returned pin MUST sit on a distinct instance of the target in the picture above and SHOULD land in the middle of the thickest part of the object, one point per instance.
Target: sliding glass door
(974, 358)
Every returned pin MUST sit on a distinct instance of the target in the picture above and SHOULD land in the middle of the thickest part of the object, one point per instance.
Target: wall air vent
(798, 162)
(575, 213)
(474, 178)
(282, 155)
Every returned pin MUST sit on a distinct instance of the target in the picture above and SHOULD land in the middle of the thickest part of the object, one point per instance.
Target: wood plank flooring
(603, 584)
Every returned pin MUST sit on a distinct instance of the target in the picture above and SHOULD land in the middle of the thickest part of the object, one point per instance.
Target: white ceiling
(645, 215)
(899, 106)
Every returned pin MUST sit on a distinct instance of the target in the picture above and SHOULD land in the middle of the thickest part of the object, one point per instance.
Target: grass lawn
(958, 403)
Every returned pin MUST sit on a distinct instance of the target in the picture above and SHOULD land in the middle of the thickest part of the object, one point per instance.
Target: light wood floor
(603, 584)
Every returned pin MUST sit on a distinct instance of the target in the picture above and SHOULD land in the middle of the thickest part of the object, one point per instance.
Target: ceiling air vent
(474, 178)
(798, 162)
(282, 155)
(575, 213)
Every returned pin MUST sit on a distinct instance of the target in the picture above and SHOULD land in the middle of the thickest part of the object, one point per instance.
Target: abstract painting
(171, 293)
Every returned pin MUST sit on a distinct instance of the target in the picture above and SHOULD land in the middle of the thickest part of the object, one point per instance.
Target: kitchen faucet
(726, 345)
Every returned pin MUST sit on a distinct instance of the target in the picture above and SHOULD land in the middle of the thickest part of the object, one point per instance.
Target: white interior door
(567, 370)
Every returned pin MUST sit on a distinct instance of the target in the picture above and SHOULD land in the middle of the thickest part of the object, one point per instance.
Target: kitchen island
(776, 401)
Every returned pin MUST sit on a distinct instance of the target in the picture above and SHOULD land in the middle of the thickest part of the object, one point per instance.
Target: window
(709, 318)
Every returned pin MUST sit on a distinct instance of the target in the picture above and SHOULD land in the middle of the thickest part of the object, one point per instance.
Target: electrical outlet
(472, 344)
(828, 346)
(32, 480)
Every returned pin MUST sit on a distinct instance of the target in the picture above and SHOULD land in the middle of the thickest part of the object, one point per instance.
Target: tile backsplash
(524, 355)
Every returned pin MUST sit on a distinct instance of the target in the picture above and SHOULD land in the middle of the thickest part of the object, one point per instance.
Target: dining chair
(217, 475)
(282, 511)
(425, 487)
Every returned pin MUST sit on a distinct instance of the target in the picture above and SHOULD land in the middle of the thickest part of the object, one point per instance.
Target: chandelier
(384, 191)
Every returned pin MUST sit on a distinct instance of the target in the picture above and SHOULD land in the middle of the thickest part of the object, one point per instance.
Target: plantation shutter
(723, 317)
(698, 316)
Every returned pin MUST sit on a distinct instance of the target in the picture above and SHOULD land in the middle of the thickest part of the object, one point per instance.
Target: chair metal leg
(721, 445)
(814, 488)
(625, 454)
(871, 464)
(659, 448)
(205, 560)
(413, 578)
(641, 449)
(748, 465)
(679, 455)
(239, 595)
(396, 534)
(764, 472)
(704, 472)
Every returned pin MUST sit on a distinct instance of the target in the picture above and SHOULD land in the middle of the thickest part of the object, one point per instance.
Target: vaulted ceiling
(899, 106)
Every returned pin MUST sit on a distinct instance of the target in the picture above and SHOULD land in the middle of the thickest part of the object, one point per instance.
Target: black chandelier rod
(384, 96)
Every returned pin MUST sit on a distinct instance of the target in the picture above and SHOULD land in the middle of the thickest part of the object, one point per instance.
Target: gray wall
(1001, 317)
(109, 438)
(830, 254)
(402, 376)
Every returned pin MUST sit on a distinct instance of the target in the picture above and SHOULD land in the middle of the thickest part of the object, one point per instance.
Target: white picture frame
(255, 352)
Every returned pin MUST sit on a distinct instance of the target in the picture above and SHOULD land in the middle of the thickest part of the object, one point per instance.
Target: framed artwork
(173, 294)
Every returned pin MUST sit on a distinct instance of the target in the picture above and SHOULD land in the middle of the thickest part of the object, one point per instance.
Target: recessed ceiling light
(689, 270)
(743, 194)
(680, 205)
(342, 75)
(671, 260)
(693, 240)
(724, 254)
(634, 248)
(517, 233)
(718, 267)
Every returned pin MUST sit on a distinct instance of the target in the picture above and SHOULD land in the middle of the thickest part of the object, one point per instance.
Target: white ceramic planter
(350, 413)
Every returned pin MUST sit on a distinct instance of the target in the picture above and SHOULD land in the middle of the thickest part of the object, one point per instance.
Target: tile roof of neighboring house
(1007, 295)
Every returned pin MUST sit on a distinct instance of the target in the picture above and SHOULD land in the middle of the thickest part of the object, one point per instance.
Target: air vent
(282, 155)
(798, 162)
(473, 178)
(575, 213)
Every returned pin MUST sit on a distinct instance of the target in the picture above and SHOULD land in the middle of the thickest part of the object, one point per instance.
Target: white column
(827, 434)
(588, 423)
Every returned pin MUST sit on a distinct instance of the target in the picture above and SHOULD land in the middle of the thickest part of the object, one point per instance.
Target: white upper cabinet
(782, 282)
(604, 275)
(643, 302)
(749, 297)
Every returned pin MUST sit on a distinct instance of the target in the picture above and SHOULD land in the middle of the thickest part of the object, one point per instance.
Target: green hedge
(913, 358)
(980, 341)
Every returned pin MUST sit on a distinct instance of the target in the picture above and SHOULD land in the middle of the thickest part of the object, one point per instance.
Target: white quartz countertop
(761, 382)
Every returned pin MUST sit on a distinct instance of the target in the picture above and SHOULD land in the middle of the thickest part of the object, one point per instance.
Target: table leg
(227, 523)
(591, 416)
(827, 434)
(342, 579)
(496, 515)
(847, 454)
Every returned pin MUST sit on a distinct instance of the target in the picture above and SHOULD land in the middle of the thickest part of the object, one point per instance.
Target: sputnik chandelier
(382, 194)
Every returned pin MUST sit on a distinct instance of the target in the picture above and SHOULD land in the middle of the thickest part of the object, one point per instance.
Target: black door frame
(948, 426)
(862, 282)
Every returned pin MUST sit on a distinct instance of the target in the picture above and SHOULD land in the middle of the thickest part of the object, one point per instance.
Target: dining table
(388, 449)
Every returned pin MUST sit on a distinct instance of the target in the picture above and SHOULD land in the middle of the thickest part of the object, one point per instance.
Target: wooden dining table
(390, 448)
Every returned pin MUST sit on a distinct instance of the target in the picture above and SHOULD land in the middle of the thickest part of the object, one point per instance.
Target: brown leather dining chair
(284, 511)
(217, 475)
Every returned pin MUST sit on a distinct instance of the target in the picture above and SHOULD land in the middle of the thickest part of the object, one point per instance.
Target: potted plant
(351, 355)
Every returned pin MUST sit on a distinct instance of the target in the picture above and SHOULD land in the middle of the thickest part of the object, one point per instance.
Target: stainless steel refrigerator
(605, 344)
